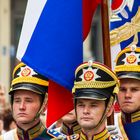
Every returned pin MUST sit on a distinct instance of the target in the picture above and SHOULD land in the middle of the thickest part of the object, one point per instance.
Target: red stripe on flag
(89, 7)
(60, 102)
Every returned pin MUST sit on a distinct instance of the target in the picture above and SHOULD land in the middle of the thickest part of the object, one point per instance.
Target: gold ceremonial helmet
(25, 78)
(128, 63)
(94, 80)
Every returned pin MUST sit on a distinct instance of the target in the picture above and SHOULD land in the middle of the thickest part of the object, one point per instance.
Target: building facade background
(11, 18)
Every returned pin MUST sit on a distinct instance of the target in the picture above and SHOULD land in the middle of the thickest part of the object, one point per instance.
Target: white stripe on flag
(114, 51)
(33, 12)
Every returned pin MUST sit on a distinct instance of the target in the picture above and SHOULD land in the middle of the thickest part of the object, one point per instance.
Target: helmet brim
(130, 75)
(26, 86)
(97, 94)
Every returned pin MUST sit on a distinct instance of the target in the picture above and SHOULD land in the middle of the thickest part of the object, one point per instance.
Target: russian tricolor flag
(51, 42)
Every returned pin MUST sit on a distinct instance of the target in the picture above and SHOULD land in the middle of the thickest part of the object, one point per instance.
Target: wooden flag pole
(106, 42)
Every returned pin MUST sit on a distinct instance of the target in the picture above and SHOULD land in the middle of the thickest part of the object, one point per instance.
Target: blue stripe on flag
(56, 46)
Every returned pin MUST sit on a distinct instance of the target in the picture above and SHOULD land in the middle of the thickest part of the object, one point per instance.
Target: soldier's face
(69, 117)
(129, 95)
(25, 106)
(89, 112)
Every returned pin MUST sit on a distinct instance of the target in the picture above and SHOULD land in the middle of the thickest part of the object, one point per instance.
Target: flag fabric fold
(51, 42)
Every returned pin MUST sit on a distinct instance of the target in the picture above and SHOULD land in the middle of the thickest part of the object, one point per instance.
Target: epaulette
(56, 135)
(116, 137)
(74, 137)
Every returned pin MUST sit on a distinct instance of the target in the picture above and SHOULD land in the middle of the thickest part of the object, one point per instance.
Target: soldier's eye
(122, 89)
(93, 105)
(80, 105)
(17, 100)
(29, 100)
(134, 89)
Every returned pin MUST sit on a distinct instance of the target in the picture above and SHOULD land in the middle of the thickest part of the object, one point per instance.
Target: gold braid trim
(17, 67)
(94, 84)
(126, 31)
(33, 80)
(135, 116)
(121, 127)
(116, 89)
(135, 68)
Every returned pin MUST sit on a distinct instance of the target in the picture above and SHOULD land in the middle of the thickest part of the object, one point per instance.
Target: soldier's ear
(110, 111)
(45, 108)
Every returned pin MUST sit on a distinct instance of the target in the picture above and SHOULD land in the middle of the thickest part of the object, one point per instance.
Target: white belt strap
(11, 135)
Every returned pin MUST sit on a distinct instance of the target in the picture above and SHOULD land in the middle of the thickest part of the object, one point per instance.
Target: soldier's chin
(88, 126)
(128, 110)
(21, 122)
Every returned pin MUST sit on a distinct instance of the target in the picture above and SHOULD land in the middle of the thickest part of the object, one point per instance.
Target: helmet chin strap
(104, 116)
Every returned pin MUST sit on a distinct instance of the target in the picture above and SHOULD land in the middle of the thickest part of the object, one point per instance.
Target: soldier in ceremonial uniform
(94, 90)
(28, 95)
(128, 71)
(69, 124)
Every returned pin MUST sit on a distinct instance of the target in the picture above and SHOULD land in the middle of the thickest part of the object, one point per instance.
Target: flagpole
(106, 41)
